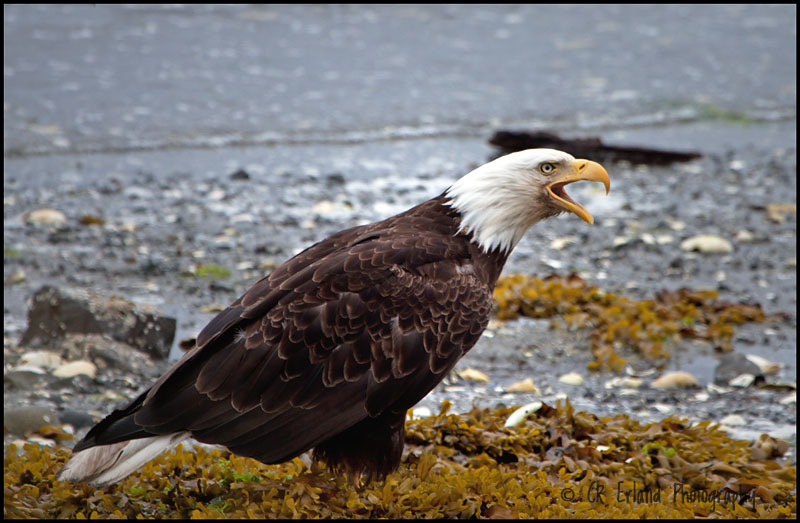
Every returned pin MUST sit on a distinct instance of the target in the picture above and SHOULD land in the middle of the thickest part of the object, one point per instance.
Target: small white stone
(676, 225)
(421, 412)
(674, 380)
(744, 236)
(733, 420)
(74, 368)
(216, 195)
(46, 217)
(662, 408)
(664, 239)
(42, 442)
(788, 400)
(766, 366)
(712, 387)
(742, 380)
(572, 378)
(323, 207)
(473, 375)
(701, 396)
(560, 243)
(243, 217)
(29, 368)
(623, 382)
(628, 392)
(41, 358)
(619, 241)
(525, 385)
(707, 243)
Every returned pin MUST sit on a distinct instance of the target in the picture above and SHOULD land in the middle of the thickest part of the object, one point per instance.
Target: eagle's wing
(355, 326)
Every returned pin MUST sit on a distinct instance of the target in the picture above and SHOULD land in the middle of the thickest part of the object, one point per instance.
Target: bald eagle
(331, 349)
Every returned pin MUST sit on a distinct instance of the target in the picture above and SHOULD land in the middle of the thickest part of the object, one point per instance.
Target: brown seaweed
(617, 323)
(556, 464)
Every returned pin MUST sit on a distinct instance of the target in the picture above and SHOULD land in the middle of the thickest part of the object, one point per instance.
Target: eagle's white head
(501, 200)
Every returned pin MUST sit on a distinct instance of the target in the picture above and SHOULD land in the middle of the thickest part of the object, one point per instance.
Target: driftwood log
(592, 147)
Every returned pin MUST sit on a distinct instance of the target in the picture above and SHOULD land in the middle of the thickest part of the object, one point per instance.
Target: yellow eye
(547, 168)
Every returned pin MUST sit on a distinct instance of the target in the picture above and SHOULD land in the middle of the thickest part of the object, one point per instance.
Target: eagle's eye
(547, 168)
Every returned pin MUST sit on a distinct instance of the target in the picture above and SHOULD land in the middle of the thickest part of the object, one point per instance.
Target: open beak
(582, 170)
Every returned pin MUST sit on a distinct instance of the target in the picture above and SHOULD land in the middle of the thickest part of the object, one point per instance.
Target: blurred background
(120, 78)
(173, 138)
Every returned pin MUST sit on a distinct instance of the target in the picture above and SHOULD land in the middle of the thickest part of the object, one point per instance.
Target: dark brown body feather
(331, 349)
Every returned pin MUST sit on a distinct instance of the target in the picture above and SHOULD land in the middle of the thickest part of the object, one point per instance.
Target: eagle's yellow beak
(581, 170)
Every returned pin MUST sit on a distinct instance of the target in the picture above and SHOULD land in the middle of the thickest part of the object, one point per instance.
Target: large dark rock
(732, 365)
(54, 313)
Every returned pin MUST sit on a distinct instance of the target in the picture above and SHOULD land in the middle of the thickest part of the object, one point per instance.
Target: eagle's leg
(368, 450)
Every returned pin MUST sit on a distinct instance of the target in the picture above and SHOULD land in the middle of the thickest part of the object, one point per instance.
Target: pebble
(623, 382)
(788, 400)
(45, 217)
(26, 378)
(572, 378)
(525, 385)
(744, 236)
(766, 366)
(216, 195)
(639, 373)
(718, 389)
(323, 207)
(742, 380)
(733, 420)
(560, 243)
(707, 243)
(676, 225)
(675, 380)
(473, 375)
(76, 368)
(664, 239)
(42, 442)
(701, 396)
(22, 420)
(240, 175)
(421, 412)
(663, 408)
(40, 358)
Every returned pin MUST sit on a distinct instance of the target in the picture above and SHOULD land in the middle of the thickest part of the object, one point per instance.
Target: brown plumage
(331, 349)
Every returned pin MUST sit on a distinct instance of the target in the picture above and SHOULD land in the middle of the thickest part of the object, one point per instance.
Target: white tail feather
(107, 464)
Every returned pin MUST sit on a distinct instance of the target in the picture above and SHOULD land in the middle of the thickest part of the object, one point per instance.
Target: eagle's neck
(488, 263)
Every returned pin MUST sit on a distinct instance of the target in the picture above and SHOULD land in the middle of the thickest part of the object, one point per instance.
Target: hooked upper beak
(582, 170)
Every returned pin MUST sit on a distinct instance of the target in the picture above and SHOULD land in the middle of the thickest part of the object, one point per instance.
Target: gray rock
(76, 418)
(26, 419)
(27, 379)
(105, 353)
(56, 312)
(733, 365)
